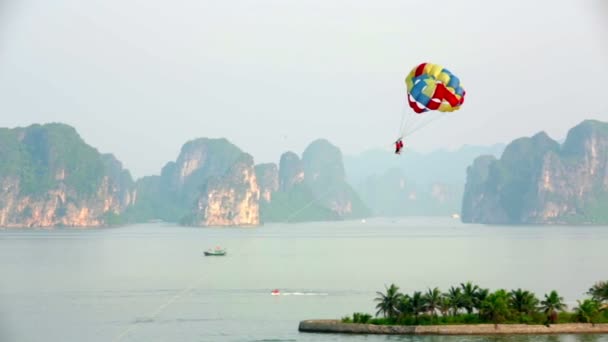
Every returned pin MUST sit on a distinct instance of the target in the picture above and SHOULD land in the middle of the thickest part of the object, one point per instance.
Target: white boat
(215, 252)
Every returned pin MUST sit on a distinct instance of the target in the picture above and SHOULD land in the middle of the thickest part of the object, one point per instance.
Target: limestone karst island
(52, 177)
(310, 171)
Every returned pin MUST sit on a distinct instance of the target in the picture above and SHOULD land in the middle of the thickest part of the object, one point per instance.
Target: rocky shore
(336, 326)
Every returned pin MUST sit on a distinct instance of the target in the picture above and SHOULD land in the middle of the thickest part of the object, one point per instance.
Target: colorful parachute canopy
(431, 87)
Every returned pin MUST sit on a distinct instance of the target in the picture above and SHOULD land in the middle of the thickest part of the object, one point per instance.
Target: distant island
(414, 183)
(214, 183)
(50, 177)
(469, 309)
(539, 181)
(313, 188)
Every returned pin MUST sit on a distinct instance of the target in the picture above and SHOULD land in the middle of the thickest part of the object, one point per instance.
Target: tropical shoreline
(469, 304)
(336, 326)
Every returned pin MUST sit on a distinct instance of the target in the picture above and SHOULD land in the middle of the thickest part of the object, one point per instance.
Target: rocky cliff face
(212, 182)
(480, 203)
(198, 160)
(324, 174)
(291, 171)
(50, 177)
(232, 199)
(268, 180)
(538, 181)
(313, 188)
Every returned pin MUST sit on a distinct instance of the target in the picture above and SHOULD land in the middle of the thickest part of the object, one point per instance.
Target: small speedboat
(215, 252)
(275, 292)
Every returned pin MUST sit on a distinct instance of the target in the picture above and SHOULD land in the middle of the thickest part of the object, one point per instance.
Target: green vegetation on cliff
(52, 177)
(11, 152)
(153, 203)
(230, 199)
(51, 165)
(171, 196)
(41, 155)
(538, 181)
(313, 188)
(517, 172)
(295, 205)
(325, 175)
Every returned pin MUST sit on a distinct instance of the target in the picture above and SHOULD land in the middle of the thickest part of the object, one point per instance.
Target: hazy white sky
(138, 78)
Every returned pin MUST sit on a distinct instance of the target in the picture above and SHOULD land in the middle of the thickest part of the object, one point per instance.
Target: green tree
(599, 291)
(587, 311)
(479, 297)
(405, 306)
(418, 304)
(444, 305)
(387, 303)
(495, 307)
(468, 298)
(432, 298)
(551, 305)
(454, 297)
(523, 302)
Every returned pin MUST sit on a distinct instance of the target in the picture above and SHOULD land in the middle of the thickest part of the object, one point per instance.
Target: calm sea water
(152, 282)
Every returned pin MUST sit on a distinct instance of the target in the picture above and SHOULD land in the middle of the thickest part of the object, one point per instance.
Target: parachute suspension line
(420, 125)
(414, 121)
(315, 199)
(307, 205)
(400, 131)
(425, 124)
(153, 315)
(405, 119)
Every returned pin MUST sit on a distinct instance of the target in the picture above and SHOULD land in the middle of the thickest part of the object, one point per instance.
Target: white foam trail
(304, 294)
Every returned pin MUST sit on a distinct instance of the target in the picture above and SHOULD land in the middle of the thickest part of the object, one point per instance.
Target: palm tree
(495, 307)
(587, 311)
(552, 304)
(444, 305)
(418, 304)
(468, 296)
(388, 302)
(454, 297)
(599, 291)
(523, 302)
(405, 306)
(479, 297)
(432, 299)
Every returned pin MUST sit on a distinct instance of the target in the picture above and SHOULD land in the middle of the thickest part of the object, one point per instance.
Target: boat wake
(302, 294)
